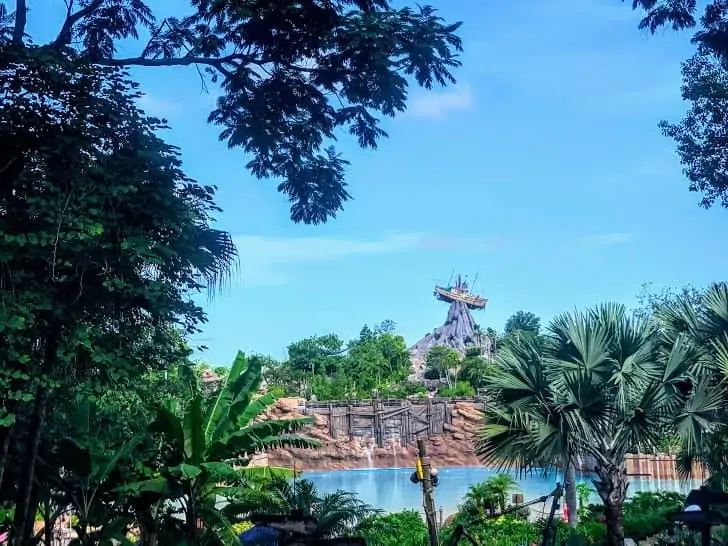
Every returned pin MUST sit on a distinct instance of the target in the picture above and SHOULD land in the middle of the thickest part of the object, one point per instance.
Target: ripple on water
(391, 489)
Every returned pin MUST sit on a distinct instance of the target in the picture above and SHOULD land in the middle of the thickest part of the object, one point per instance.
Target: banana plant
(205, 451)
(80, 475)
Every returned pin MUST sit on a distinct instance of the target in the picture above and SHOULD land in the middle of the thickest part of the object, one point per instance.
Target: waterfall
(368, 452)
(394, 450)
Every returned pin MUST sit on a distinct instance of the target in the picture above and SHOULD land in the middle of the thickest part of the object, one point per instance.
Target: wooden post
(332, 425)
(428, 498)
(350, 418)
(429, 417)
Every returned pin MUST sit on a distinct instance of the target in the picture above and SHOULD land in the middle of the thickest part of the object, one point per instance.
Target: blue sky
(542, 170)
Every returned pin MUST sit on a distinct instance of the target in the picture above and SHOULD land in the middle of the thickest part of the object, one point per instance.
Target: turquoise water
(392, 491)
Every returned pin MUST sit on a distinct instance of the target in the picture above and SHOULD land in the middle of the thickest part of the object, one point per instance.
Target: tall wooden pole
(428, 498)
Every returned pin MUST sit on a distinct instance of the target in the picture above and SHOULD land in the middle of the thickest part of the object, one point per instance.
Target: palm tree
(516, 387)
(702, 320)
(500, 486)
(210, 444)
(604, 386)
(337, 513)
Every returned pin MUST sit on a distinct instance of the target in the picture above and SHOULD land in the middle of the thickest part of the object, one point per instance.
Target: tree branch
(66, 33)
(177, 61)
(21, 18)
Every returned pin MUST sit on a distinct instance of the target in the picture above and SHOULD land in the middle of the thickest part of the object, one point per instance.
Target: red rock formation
(453, 448)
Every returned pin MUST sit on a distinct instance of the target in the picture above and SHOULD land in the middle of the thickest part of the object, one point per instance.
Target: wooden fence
(402, 420)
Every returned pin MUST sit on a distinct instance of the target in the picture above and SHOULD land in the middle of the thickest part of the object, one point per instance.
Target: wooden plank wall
(383, 420)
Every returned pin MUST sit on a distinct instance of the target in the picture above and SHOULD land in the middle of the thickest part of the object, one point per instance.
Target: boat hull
(472, 301)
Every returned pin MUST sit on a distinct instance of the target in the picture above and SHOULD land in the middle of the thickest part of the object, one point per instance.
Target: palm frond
(699, 416)
(217, 257)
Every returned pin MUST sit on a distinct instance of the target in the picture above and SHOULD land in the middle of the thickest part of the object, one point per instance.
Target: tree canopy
(292, 77)
(700, 135)
(523, 321)
(712, 32)
(103, 241)
(329, 369)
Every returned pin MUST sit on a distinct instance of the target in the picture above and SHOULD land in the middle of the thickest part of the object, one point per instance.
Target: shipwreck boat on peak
(460, 292)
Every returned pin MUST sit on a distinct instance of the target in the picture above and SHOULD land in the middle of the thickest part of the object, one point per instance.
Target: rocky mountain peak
(458, 332)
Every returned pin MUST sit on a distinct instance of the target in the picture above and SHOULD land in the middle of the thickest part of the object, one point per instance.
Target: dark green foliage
(461, 388)
(585, 533)
(504, 531)
(700, 137)
(521, 327)
(317, 355)
(650, 301)
(488, 496)
(603, 385)
(103, 241)
(323, 367)
(337, 514)
(291, 80)
(406, 528)
(702, 327)
(474, 370)
(202, 453)
(712, 34)
(523, 321)
(645, 514)
(442, 363)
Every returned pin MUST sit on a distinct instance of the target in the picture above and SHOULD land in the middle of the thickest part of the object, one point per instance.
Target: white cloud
(160, 108)
(436, 105)
(607, 238)
(265, 260)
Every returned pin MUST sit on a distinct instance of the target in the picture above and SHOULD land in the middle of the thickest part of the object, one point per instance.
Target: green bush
(402, 390)
(462, 388)
(397, 529)
(502, 531)
(587, 533)
(644, 515)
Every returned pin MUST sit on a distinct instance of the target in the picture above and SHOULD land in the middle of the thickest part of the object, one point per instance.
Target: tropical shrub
(601, 385)
(503, 531)
(644, 515)
(205, 449)
(338, 514)
(489, 495)
(587, 533)
(461, 388)
(406, 528)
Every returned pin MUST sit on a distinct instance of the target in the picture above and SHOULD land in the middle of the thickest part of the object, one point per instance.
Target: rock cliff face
(453, 448)
(458, 333)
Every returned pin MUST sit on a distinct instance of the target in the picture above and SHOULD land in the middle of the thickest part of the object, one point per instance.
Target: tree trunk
(570, 488)
(191, 512)
(48, 530)
(23, 513)
(615, 526)
(29, 530)
(6, 435)
(612, 488)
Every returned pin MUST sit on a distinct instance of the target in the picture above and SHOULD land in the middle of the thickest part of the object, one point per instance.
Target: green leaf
(187, 471)
(194, 431)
